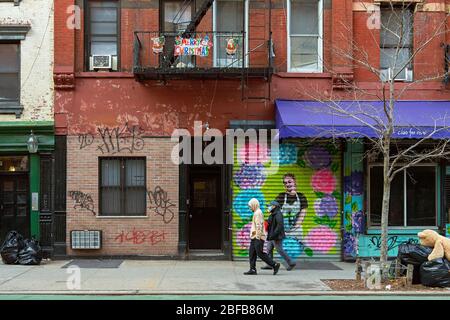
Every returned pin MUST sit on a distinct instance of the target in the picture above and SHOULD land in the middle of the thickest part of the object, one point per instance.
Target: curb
(231, 293)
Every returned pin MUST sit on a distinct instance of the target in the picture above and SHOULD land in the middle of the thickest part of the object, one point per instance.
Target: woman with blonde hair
(258, 236)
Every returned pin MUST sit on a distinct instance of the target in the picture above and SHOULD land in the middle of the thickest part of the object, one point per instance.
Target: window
(103, 30)
(396, 38)
(229, 37)
(305, 35)
(122, 187)
(413, 197)
(9, 74)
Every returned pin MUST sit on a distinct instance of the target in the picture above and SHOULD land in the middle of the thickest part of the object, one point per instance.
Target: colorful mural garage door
(307, 186)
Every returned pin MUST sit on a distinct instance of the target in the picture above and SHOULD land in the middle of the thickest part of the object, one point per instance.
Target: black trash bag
(435, 273)
(11, 247)
(31, 254)
(414, 254)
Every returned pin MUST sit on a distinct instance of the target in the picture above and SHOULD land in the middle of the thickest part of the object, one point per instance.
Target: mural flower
(318, 157)
(243, 236)
(287, 154)
(354, 184)
(240, 203)
(358, 222)
(321, 239)
(349, 244)
(323, 181)
(326, 206)
(250, 176)
(253, 153)
(293, 247)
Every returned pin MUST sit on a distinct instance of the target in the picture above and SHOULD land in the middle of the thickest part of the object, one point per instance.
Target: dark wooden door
(14, 204)
(205, 212)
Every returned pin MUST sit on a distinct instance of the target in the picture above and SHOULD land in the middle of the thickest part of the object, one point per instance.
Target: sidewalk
(174, 277)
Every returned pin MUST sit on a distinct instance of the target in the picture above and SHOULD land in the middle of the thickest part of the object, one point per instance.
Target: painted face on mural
(290, 185)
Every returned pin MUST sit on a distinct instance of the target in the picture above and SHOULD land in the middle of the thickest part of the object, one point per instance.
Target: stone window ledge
(11, 108)
(16, 32)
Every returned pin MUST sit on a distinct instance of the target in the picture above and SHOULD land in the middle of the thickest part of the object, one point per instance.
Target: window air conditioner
(103, 62)
(405, 75)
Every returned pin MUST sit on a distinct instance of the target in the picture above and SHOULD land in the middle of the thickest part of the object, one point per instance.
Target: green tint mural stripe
(317, 171)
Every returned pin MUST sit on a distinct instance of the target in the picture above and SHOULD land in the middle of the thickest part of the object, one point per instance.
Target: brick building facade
(101, 115)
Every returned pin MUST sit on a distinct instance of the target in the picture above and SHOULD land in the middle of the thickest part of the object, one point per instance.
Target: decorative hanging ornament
(231, 46)
(158, 44)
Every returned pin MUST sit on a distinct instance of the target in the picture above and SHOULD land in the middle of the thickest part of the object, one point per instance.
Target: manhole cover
(94, 264)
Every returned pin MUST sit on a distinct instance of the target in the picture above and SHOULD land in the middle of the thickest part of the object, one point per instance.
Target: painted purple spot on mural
(323, 181)
(250, 176)
(243, 236)
(354, 184)
(358, 222)
(318, 157)
(321, 239)
(326, 206)
(349, 244)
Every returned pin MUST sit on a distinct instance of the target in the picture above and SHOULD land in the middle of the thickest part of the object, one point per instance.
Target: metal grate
(86, 239)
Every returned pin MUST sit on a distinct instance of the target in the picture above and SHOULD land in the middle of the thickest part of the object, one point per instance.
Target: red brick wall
(149, 235)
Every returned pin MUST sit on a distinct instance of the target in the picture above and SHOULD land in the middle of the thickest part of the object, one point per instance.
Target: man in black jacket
(275, 235)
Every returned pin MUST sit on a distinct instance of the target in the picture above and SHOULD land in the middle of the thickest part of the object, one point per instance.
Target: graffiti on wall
(370, 245)
(82, 200)
(121, 139)
(85, 140)
(160, 204)
(307, 188)
(138, 237)
(126, 138)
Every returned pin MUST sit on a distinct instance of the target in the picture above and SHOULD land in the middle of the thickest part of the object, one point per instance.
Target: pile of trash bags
(16, 250)
(434, 273)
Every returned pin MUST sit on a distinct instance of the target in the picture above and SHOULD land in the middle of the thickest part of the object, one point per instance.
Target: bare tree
(400, 46)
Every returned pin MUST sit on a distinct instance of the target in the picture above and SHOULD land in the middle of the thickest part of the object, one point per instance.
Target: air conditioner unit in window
(86, 239)
(103, 62)
(405, 75)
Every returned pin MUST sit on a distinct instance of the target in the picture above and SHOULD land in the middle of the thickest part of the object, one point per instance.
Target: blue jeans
(278, 244)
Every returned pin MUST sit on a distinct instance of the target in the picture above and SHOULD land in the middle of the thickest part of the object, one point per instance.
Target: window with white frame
(396, 42)
(229, 24)
(413, 198)
(305, 35)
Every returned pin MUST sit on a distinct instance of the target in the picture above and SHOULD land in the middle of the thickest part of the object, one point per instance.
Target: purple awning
(412, 119)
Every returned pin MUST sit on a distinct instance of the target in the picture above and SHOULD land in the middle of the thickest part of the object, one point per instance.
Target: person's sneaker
(276, 267)
(266, 268)
(250, 272)
(292, 266)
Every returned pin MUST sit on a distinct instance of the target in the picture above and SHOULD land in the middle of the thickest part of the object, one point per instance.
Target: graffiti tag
(82, 200)
(161, 204)
(392, 242)
(140, 237)
(121, 139)
(85, 140)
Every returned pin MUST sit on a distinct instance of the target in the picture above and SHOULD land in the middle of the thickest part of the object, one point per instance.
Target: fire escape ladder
(198, 16)
(260, 48)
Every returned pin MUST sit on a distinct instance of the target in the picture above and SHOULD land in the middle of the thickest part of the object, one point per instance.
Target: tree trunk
(385, 212)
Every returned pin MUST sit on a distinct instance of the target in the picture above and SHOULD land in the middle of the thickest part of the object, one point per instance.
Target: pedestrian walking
(276, 235)
(258, 236)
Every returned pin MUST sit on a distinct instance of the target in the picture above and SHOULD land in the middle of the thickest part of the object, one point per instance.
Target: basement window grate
(86, 239)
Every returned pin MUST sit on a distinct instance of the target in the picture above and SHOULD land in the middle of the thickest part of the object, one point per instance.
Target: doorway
(205, 210)
(14, 204)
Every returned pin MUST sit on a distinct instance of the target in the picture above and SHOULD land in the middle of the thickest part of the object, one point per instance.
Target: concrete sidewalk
(159, 278)
(166, 277)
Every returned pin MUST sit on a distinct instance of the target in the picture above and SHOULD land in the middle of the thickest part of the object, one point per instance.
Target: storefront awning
(354, 119)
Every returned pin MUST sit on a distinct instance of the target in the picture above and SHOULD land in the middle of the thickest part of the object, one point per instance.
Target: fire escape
(192, 51)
